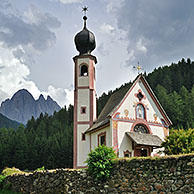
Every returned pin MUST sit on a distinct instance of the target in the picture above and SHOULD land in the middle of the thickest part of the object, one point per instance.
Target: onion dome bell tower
(85, 40)
(84, 93)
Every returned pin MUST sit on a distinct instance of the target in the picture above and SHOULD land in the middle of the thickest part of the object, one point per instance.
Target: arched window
(140, 111)
(84, 70)
(140, 128)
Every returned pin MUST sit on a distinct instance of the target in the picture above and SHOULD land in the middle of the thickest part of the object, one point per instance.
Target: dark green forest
(48, 140)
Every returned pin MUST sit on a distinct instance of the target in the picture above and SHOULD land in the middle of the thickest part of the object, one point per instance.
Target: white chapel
(132, 122)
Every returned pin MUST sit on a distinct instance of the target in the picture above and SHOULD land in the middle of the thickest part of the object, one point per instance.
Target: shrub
(10, 171)
(2, 178)
(100, 162)
(40, 169)
(179, 142)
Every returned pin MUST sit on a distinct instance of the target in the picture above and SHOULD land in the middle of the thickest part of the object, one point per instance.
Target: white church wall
(83, 96)
(83, 147)
(154, 114)
(124, 143)
(156, 130)
(95, 135)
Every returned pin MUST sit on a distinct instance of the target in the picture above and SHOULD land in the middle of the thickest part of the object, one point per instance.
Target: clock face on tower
(140, 128)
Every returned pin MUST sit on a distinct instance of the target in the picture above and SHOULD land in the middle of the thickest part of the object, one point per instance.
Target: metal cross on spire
(85, 9)
(138, 68)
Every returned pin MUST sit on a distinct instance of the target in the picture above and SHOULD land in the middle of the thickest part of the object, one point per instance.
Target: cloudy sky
(37, 41)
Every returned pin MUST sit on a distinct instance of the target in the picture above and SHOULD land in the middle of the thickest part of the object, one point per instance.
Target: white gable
(141, 94)
(128, 106)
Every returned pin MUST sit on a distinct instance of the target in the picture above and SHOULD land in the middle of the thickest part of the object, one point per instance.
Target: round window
(140, 128)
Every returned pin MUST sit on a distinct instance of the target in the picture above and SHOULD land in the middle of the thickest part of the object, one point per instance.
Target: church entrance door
(144, 152)
(141, 152)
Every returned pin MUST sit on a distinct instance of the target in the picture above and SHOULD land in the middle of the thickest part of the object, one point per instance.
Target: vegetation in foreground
(179, 142)
(7, 192)
(100, 162)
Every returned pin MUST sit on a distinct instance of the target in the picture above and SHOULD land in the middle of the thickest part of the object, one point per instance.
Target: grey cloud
(15, 30)
(4, 4)
(165, 29)
(102, 50)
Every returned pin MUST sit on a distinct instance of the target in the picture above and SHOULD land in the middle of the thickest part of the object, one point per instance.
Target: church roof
(145, 139)
(112, 102)
(116, 100)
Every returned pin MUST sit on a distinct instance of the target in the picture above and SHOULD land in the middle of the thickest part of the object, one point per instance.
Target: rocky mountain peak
(22, 106)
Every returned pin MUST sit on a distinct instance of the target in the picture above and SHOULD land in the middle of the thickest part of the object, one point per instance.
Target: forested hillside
(48, 140)
(5, 122)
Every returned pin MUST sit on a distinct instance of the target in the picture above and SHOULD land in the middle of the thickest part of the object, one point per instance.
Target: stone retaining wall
(163, 175)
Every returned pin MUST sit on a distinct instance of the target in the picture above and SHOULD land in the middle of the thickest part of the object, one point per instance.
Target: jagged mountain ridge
(22, 106)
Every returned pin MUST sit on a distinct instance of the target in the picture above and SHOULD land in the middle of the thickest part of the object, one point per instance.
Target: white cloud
(21, 36)
(141, 46)
(106, 28)
(68, 1)
(62, 96)
(14, 75)
(113, 5)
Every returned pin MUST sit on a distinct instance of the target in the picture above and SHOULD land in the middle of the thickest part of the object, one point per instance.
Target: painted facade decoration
(134, 123)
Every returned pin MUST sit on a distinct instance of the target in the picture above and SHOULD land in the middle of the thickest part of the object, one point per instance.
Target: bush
(11, 171)
(100, 162)
(179, 142)
(2, 178)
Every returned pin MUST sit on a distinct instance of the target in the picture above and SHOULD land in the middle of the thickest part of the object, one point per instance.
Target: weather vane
(138, 67)
(85, 9)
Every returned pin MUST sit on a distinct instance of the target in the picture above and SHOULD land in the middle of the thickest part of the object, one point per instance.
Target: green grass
(7, 192)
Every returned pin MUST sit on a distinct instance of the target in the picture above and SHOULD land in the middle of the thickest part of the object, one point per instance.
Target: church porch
(143, 144)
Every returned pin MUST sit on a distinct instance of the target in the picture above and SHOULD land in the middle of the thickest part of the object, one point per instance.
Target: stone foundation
(139, 175)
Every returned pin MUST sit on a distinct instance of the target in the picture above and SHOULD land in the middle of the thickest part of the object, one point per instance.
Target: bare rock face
(22, 106)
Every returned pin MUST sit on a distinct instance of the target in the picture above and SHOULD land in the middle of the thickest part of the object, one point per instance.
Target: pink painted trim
(75, 74)
(92, 57)
(91, 108)
(83, 87)
(117, 115)
(134, 120)
(139, 91)
(127, 152)
(115, 140)
(141, 121)
(75, 131)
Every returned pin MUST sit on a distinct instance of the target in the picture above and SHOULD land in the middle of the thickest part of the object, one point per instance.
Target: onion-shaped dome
(85, 40)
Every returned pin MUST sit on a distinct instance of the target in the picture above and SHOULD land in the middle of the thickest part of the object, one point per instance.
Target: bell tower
(84, 93)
